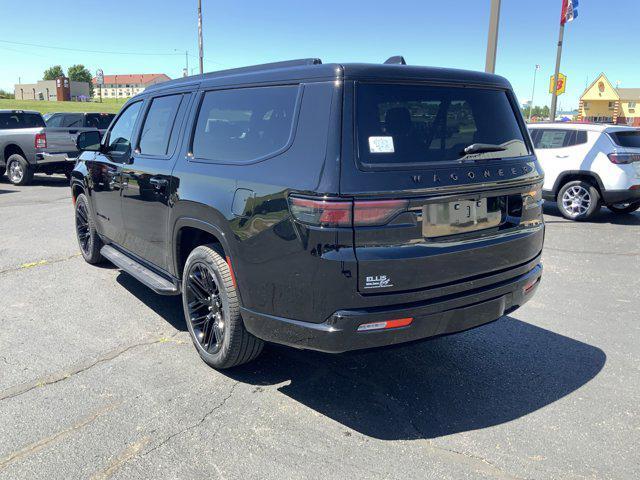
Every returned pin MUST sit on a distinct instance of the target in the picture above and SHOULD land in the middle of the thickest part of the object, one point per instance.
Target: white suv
(588, 165)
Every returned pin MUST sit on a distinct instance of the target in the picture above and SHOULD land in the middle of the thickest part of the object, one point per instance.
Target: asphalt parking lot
(98, 377)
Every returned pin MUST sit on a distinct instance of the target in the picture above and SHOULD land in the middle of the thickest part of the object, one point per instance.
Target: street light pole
(533, 91)
(200, 34)
(492, 41)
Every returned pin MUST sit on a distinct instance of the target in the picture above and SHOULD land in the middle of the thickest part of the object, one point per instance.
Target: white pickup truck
(28, 145)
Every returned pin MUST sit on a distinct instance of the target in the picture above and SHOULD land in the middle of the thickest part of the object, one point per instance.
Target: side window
(119, 141)
(244, 124)
(158, 124)
(552, 138)
(55, 121)
(581, 137)
(72, 121)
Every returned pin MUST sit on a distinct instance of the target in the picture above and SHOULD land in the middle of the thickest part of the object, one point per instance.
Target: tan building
(601, 102)
(123, 86)
(46, 90)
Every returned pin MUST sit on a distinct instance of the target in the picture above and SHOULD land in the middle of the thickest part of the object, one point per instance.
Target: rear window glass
(156, 130)
(411, 124)
(101, 121)
(630, 138)
(244, 124)
(9, 120)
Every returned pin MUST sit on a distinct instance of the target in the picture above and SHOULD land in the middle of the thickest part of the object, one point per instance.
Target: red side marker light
(400, 322)
(530, 284)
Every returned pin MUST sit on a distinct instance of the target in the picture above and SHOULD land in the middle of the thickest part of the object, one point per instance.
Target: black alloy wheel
(206, 312)
(88, 239)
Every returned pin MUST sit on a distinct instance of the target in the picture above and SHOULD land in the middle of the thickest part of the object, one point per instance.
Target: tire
(18, 170)
(620, 208)
(88, 239)
(578, 200)
(212, 311)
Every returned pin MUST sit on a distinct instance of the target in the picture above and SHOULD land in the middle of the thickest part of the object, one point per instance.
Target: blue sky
(236, 33)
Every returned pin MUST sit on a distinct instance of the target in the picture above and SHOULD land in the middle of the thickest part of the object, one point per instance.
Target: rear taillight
(377, 212)
(323, 213)
(40, 140)
(345, 213)
(624, 158)
(385, 325)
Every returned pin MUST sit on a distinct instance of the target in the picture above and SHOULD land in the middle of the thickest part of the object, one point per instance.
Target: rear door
(62, 130)
(440, 176)
(147, 180)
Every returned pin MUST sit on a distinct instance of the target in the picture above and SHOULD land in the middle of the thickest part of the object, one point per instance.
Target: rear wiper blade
(482, 148)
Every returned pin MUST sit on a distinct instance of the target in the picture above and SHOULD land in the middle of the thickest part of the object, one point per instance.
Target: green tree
(53, 72)
(79, 73)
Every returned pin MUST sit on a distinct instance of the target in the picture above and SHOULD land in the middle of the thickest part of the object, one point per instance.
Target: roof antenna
(395, 60)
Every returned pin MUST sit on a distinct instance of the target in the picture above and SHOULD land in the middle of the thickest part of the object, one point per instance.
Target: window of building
(631, 104)
(585, 105)
(158, 124)
(245, 124)
(612, 105)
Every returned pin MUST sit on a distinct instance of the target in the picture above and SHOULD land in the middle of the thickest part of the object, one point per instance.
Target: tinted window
(156, 130)
(72, 121)
(101, 121)
(410, 124)
(629, 138)
(244, 124)
(20, 120)
(120, 134)
(54, 121)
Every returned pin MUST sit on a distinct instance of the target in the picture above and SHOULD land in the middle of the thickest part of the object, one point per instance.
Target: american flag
(569, 11)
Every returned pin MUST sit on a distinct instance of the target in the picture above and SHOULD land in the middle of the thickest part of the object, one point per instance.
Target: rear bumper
(443, 316)
(46, 158)
(620, 196)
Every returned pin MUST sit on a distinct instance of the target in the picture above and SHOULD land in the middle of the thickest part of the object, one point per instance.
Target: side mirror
(89, 141)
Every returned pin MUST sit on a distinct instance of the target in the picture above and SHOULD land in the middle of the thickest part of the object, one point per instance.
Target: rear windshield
(9, 120)
(100, 121)
(410, 125)
(629, 138)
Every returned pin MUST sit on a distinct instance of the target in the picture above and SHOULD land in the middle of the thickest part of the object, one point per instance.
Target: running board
(155, 282)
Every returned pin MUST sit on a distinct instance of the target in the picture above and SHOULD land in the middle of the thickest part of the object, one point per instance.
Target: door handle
(562, 156)
(158, 183)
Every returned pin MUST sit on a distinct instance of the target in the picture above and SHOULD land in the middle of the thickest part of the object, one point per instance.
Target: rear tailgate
(451, 216)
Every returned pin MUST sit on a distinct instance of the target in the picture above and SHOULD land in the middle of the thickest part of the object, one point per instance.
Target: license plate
(461, 216)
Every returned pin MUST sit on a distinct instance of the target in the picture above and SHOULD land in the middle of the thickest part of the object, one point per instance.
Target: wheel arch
(585, 175)
(190, 232)
(11, 149)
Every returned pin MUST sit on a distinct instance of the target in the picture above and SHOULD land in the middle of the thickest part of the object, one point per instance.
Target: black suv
(322, 206)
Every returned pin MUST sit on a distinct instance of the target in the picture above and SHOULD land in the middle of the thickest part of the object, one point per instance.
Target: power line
(105, 52)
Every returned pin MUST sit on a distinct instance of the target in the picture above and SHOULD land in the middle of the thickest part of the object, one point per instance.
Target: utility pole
(533, 91)
(492, 41)
(186, 58)
(554, 95)
(200, 34)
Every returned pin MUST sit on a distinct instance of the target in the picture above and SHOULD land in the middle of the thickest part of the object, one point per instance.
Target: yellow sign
(561, 86)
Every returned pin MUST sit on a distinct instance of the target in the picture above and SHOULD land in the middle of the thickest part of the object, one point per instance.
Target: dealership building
(60, 89)
(128, 85)
(601, 102)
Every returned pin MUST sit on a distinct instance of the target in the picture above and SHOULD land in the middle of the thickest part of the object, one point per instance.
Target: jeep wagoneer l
(330, 207)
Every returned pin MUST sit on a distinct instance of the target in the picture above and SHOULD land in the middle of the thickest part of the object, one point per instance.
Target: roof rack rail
(395, 60)
(232, 71)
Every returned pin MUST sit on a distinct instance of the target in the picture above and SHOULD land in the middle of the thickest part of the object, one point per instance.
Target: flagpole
(554, 97)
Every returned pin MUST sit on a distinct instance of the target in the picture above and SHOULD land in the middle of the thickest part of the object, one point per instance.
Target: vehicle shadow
(169, 307)
(477, 379)
(603, 216)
